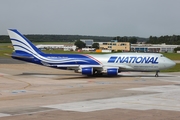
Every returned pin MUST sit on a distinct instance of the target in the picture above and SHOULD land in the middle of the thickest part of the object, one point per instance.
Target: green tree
(95, 45)
(133, 40)
(177, 49)
(80, 44)
(117, 38)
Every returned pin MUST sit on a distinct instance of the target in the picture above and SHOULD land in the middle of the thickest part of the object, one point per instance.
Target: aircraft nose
(170, 64)
(173, 63)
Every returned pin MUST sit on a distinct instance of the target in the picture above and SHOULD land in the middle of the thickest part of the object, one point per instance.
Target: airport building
(153, 48)
(109, 46)
(115, 46)
(63, 47)
(88, 42)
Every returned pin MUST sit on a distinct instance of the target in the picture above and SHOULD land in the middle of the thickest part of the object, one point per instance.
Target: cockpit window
(162, 56)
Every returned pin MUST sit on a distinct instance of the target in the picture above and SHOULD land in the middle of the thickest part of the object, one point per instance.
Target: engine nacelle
(87, 71)
(112, 71)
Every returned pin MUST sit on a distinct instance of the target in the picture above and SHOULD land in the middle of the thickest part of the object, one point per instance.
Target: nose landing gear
(157, 75)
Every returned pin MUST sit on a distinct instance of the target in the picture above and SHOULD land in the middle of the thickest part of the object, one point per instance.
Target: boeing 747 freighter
(88, 64)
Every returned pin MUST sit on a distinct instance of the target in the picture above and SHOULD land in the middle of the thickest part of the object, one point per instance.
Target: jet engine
(111, 71)
(90, 71)
(87, 71)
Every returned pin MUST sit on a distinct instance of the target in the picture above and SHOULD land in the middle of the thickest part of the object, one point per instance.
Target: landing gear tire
(97, 73)
(157, 75)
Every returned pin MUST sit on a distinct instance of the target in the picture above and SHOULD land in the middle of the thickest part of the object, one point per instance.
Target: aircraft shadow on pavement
(80, 76)
(46, 74)
(108, 77)
(140, 75)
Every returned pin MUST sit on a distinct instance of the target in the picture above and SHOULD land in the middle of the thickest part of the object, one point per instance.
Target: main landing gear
(157, 75)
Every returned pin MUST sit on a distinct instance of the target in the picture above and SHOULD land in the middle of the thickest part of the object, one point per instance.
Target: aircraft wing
(120, 67)
(71, 65)
(81, 66)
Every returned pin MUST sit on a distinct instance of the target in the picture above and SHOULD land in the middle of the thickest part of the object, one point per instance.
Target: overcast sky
(91, 17)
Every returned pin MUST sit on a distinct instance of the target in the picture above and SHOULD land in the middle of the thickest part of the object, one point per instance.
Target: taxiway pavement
(29, 91)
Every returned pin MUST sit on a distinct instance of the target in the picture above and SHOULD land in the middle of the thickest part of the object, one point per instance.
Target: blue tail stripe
(34, 47)
(20, 42)
(24, 48)
(30, 52)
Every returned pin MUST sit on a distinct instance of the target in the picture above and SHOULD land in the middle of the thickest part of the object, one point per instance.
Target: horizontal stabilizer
(22, 57)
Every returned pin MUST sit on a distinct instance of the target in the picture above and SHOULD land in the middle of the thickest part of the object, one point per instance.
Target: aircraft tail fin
(21, 44)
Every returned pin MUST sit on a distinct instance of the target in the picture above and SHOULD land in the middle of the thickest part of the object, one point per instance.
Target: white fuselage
(135, 61)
